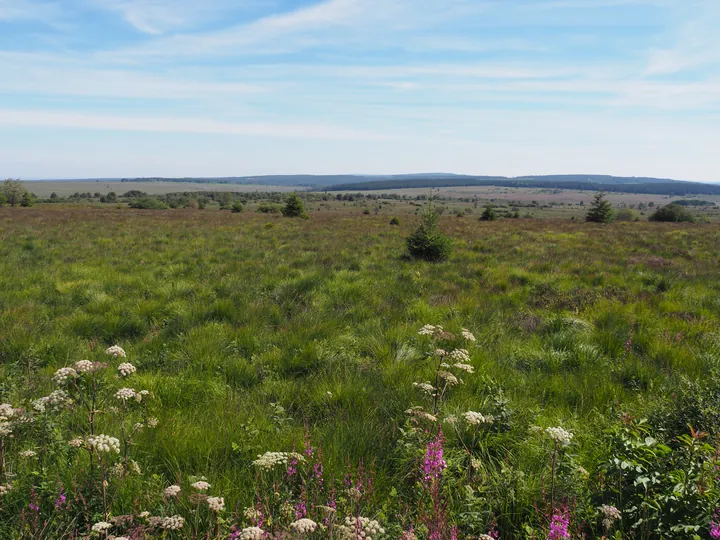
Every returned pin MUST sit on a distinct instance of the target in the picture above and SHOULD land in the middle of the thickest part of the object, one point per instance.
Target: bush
(269, 208)
(237, 207)
(294, 207)
(601, 210)
(27, 200)
(427, 242)
(148, 203)
(672, 213)
(489, 214)
(3, 200)
(395, 221)
(627, 214)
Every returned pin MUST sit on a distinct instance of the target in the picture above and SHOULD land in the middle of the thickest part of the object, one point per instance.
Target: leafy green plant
(427, 242)
(294, 207)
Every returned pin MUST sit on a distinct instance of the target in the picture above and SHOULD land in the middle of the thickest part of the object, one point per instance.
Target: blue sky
(237, 87)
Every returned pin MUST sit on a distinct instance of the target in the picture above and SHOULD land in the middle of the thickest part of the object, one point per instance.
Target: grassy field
(257, 333)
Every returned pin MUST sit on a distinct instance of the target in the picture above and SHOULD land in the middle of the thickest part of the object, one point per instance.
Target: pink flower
(559, 527)
(433, 464)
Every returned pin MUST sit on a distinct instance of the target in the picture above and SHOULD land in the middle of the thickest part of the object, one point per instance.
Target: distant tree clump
(694, 202)
(489, 214)
(395, 221)
(294, 207)
(672, 213)
(13, 191)
(27, 200)
(427, 242)
(148, 203)
(237, 207)
(627, 214)
(601, 211)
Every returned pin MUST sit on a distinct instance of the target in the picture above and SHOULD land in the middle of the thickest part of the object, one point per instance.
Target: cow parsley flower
(420, 413)
(76, 442)
(559, 435)
(4, 489)
(216, 504)
(56, 399)
(104, 443)
(252, 533)
(62, 375)
(467, 335)
(429, 330)
(144, 514)
(6, 412)
(449, 378)
(101, 526)
(464, 367)
(152, 422)
(28, 453)
(172, 491)
(362, 527)
(173, 523)
(269, 460)
(303, 526)
(611, 514)
(115, 351)
(84, 366)
(125, 394)
(475, 418)
(126, 369)
(425, 387)
(440, 352)
(200, 485)
(460, 355)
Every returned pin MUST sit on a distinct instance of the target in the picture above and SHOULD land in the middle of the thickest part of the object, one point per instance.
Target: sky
(126, 88)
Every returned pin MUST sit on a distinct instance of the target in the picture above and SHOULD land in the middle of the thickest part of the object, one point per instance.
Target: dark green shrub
(395, 221)
(627, 214)
(294, 207)
(672, 213)
(269, 208)
(237, 207)
(601, 210)
(427, 242)
(148, 203)
(489, 214)
(27, 200)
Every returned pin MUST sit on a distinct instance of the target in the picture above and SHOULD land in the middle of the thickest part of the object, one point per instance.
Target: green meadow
(256, 333)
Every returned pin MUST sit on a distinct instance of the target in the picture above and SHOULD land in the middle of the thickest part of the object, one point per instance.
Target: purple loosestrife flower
(60, 501)
(433, 464)
(715, 530)
(559, 527)
(300, 510)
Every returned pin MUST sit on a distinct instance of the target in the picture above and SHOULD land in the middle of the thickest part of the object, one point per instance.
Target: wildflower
(449, 378)
(452, 420)
(101, 526)
(485, 537)
(559, 527)
(144, 514)
(303, 526)
(611, 514)
(464, 367)
(360, 527)
(5, 428)
(4, 489)
(6, 411)
(117, 470)
(460, 355)
(419, 413)
(172, 491)
(429, 330)
(60, 500)
(126, 369)
(408, 535)
(124, 394)
(200, 485)
(63, 374)
(467, 335)
(122, 538)
(475, 418)
(216, 504)
(84, 366)
(152, 422)
(104, 443)
(173, 523)
(433, 464)
(28, 453)
(269, 460)
(440, 352)
(56, 399)
(252, 514)
(115, 351)
(76, 442)
(252, 533)
(559, 435)
(714, 530)
(135, 467)
(425, 387)
(155, 521)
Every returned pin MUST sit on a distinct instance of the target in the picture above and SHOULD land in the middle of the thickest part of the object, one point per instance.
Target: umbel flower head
(172, 523)
(269, 460)
(101, 526)
(172, 491)
(303, 526)
(126, 369)
(200, 485)
(475, 418)
(216, 504)
(252, 533)
(104, 443)
(125, 394)
(56, 399)
(115, 351)
(559, 435)
(63, 375)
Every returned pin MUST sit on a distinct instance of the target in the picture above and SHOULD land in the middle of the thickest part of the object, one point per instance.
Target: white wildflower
(475, 418)
(460, 355)
(464, 367)
(252, 513)
(104, 443)
(173, 523)
(611, 514)
(4, 489)
(252, 533)
(126, 369)
(6, 412)
(125, 394)
(138, 426)
(76, 442)
(216, 504)
(117, 470)
(152, 422)
(452, 420)
(135, 467)
(485, 537)
(449, 378)
(269, 460)
(200, 485)
(360, 526)
(144, 514)
(303, 526)
(467, 335)
(559, 435)
(425, 387)
(115, 351)
(86, 366)
(419, 413)
(101, 526)
(62, 375)
(428, 330)
(5, 428)
(172, 491)
(28, 453)
(56, 399)
(440, 352)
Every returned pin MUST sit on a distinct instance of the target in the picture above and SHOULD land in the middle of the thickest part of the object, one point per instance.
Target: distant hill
(658, 186)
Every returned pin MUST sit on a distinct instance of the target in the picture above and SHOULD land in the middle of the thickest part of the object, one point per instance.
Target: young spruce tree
(294, 207)
(601, 211)
(427, 242)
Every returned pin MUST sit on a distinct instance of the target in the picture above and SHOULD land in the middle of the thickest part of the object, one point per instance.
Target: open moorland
(254, 376)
